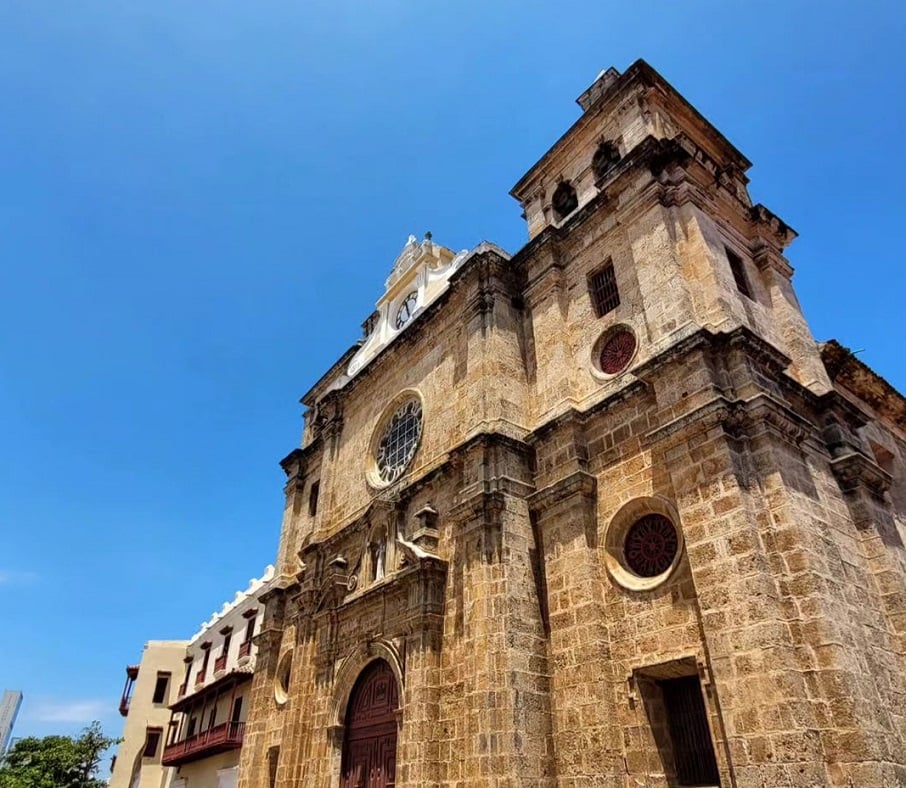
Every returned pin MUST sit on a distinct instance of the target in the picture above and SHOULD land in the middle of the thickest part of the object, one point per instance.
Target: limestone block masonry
(599, 513)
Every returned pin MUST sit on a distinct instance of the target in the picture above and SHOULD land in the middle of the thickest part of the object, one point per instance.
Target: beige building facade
(598, 513)
(150, 688)
(187, 702)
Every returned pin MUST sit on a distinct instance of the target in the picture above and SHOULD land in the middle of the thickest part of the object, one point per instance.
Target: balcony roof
(237, 675)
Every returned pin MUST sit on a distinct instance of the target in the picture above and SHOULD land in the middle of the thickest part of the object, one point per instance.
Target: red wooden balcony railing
(220, 663)
(183, 689)
(220, 738)
(245, 649)
(199, 679)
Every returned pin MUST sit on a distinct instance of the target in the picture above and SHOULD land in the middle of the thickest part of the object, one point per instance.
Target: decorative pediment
(420, 274)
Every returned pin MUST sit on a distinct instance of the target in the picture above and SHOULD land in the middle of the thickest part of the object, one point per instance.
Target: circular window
(281, 680)
(651, 545)
(398, 441)
(643, 544)
(616, 351)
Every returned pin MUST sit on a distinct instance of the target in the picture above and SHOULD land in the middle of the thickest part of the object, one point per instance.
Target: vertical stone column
(795, 336)
(663, 285)
(586, 740)
(506, 729)
(418, 749)
(770, 724)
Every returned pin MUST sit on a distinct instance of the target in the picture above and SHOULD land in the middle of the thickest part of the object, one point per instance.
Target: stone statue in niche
(378, 558)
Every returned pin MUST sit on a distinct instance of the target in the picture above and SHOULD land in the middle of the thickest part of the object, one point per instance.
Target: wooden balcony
(220, 663)
(245, 649)
(220, 738)
(199, 679)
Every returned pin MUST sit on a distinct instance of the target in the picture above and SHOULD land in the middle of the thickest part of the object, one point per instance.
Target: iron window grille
(651, 545)
(602, 285)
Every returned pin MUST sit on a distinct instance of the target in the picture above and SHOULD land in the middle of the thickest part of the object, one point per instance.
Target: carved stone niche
(564, 200)
(606, 157)
(408, 602)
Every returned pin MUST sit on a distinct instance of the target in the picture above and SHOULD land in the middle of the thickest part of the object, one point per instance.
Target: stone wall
(527, 651)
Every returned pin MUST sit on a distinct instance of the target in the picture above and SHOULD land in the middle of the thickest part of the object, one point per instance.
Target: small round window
(616, 351)
(643, 543)
(281, 680)
(398, 441)
(650, 545)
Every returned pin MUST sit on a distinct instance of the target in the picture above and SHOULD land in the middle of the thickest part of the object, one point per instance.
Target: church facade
(598, 513)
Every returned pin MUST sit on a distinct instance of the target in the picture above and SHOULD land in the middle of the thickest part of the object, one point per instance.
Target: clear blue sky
(199, 202)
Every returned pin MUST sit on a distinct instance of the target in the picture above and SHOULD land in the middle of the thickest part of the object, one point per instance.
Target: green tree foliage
(56, 761)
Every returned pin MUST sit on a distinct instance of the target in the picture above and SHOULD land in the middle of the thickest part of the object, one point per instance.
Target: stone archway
(370, 733)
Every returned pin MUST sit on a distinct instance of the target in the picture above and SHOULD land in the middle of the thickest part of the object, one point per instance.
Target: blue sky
(199, 203)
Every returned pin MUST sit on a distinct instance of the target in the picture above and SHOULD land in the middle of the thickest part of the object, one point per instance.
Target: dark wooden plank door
(369, 750)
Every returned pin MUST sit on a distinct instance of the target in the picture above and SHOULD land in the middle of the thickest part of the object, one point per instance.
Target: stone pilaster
(587, 743)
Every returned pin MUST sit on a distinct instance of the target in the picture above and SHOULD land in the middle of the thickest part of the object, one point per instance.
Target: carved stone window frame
(372, 471)
(615, 536)
(283, 677)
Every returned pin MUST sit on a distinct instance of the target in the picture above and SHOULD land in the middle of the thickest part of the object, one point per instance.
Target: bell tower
(699, 254)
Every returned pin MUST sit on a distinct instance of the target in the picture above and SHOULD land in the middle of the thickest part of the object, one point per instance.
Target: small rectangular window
(602, 286)
(212, 718)
(739, 273)
(249, 630)
(152, 739)
(190, 732)
(228, 636)
(313, 498)
(160, 688)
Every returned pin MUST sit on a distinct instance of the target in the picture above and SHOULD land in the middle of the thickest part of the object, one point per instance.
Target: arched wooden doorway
(369, 746)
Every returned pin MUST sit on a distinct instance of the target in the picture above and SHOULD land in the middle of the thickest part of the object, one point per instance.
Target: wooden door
(369, 749)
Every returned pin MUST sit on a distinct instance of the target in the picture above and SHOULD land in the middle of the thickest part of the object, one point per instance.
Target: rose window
(651, 545)
(399, 441)
(617, 351)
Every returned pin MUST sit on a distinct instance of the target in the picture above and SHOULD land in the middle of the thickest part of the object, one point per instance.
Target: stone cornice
(294, 463)
(755, 347)
(578, 483)
(572, 415)
(483, 505)
(849, 373)
(855, 470)
(768, 224)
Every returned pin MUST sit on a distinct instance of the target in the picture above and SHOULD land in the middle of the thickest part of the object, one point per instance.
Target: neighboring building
(150, 688)
(9, 710)
(205, 731)
(185, 704)
(594, 514)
